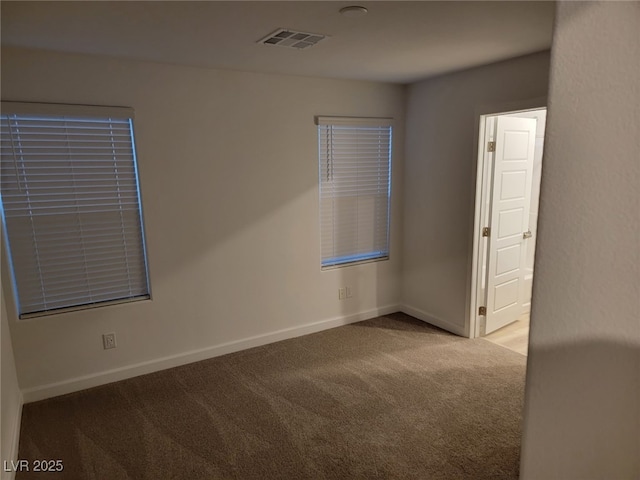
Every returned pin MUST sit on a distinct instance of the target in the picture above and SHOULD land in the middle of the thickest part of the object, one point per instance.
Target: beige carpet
(389, 398)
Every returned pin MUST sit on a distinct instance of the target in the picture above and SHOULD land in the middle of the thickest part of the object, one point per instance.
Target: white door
(509, 219)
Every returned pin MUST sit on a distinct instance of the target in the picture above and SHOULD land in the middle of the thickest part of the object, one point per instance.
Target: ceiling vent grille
(284, 37)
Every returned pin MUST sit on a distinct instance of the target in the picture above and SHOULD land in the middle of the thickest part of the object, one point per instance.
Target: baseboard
(34, 394)
(433, 320)
(15, 444)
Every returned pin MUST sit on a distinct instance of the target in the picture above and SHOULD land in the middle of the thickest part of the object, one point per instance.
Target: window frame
(355, 122)
(9, 108)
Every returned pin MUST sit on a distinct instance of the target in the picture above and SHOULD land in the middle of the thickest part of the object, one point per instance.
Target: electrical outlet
(341, 293)
(109, 340)
(349, 292)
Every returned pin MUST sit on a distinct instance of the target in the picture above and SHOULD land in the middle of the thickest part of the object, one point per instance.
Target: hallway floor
(514, 336)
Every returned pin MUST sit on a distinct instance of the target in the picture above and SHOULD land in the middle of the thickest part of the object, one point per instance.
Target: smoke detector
(354, 11)
(285, 37)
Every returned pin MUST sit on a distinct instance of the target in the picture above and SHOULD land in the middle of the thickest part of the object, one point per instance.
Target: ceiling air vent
(284, 37)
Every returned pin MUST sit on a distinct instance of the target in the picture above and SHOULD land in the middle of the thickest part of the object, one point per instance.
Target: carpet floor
(387, 398)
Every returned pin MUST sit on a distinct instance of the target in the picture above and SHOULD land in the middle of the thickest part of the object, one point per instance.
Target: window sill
(46, 313)
(354, 263)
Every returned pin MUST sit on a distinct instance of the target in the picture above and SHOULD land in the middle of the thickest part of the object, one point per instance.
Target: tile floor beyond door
(514, 336)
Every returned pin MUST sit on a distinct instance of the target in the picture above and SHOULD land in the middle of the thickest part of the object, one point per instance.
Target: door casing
(477, 295)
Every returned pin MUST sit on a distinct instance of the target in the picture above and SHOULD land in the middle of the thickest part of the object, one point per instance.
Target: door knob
(527, 234)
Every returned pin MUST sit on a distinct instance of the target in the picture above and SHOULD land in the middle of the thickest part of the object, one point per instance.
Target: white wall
(10, 395)
(229, 174)
(582, 413)
(440, 170)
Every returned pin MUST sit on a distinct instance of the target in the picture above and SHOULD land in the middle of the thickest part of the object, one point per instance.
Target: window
(355, 189)
(71, 206)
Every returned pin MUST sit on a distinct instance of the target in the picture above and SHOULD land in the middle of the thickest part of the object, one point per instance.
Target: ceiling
(396, 41)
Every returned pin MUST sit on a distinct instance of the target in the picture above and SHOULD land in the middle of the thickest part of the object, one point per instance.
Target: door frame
(475, 320)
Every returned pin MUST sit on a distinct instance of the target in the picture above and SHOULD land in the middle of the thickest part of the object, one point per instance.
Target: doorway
(508, 192)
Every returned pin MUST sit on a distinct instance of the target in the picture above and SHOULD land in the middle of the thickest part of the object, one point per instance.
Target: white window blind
(355, 188)
(71, 206)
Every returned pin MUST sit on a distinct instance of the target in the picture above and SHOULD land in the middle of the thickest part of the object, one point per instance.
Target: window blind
(71, 206)
(355, 188)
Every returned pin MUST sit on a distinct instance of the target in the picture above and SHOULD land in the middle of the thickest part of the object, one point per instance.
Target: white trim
(355, 121)
(34, 394)
(353, 264)
(503, 108)
(45, 313)
(483, 114)
(34, 108)
(473, 326)
(15, 443)
(433, 320)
